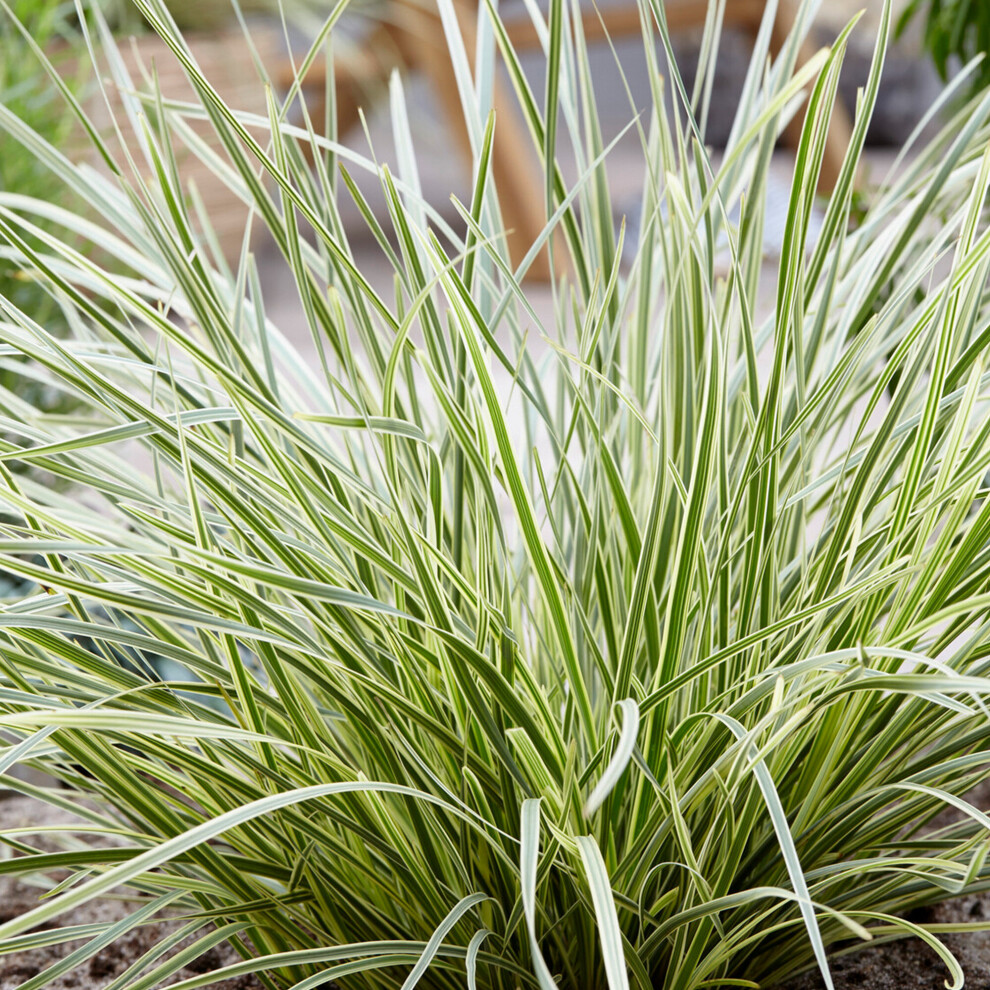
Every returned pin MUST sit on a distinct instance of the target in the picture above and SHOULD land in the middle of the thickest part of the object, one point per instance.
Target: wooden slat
(413, 39)
(623, 20)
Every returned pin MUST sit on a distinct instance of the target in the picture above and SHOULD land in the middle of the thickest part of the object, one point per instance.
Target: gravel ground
(904, 965)
(17, 897)
(909, 964)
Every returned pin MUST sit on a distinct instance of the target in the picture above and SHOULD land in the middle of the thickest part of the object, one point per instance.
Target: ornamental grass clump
(640, 646)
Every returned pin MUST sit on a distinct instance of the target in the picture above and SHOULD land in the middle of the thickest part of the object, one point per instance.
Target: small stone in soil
(102, 966)
(206, 963)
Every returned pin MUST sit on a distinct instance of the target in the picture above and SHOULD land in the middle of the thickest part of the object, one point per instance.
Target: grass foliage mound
(635, 647)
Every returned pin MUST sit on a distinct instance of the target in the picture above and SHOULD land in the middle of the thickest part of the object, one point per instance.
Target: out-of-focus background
(378, 40)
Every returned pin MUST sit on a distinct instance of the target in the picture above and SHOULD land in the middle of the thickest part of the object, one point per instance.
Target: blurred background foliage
(953, 30)
(27, 91)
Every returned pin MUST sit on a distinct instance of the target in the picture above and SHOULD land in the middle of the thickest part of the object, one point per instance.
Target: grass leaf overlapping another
(639, 642)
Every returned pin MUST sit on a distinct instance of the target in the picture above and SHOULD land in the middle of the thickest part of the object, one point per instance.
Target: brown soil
(907, 964)
(16, 897)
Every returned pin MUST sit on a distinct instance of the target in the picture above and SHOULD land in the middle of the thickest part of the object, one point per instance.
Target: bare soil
(907, 964)
(16, 897)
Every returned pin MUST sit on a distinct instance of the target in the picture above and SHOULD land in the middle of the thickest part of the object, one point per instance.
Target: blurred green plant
(196, 16)
(953, 29)
(26, 90)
